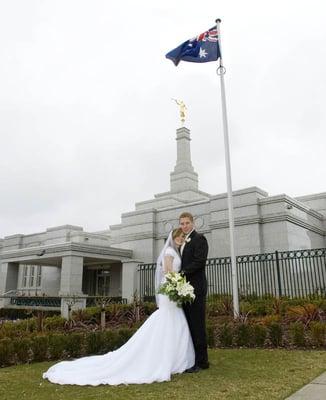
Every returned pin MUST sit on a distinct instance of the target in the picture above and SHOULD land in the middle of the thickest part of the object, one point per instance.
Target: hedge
(60, 346)
(274, 334)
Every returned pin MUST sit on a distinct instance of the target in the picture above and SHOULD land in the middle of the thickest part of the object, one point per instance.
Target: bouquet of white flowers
(177, 288)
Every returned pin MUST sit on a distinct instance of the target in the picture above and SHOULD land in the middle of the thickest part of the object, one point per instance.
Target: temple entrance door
(103, 283)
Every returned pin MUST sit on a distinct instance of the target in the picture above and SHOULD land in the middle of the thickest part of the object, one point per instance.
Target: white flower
(177, 288)
(185, 289)
(188, 240)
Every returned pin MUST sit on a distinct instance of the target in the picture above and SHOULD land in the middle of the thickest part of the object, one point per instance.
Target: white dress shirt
(184, 243)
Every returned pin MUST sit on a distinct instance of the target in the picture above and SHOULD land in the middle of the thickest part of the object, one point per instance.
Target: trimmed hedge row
(262, 323)
(275, 334)
(60, 346)
(222, 305)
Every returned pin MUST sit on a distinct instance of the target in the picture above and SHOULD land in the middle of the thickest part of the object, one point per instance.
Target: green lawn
(235, 374)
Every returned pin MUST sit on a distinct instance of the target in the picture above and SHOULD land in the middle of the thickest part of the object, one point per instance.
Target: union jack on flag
(202, 48)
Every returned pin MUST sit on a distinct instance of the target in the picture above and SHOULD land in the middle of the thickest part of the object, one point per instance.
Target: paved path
(315, 390)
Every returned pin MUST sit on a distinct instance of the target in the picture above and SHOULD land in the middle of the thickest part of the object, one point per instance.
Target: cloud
(86, 118)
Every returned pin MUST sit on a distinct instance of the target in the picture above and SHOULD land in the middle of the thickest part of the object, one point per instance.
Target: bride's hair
(177, 232)
(159, 273)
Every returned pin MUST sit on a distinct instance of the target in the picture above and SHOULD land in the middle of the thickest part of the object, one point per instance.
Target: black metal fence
(147, 281)
(35, 301)
(296, 273)
(55, 302)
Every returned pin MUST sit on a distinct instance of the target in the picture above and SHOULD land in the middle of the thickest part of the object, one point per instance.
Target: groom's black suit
(193, 264)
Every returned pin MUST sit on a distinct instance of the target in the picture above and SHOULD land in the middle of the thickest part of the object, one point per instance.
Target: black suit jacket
(193, 263)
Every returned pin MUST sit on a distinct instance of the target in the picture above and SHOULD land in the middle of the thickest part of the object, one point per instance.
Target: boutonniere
(188, 240)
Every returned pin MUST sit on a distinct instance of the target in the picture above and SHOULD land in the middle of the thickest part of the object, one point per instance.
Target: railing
(297, 273)
(55, 301)
(35, 301)
(147, 281)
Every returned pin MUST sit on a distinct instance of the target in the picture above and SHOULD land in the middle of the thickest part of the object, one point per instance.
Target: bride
(162, 346)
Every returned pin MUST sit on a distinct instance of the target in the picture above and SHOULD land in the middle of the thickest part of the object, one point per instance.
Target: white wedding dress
(162, 346)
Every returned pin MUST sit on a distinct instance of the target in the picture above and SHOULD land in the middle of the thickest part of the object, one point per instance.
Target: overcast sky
(87, 124)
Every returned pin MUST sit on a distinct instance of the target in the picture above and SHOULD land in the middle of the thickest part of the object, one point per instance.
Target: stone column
(8, 280)
(129, 279)
(71, 284)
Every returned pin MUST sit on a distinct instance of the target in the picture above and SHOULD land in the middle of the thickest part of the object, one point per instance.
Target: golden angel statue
(182, 110)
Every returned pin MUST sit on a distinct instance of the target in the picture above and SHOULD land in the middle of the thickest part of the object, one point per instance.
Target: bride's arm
(168, 261)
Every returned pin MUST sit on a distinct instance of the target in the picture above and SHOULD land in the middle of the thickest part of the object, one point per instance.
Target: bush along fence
(271, 334)
(53, 338)
(296, 273)
(268, 323)
(60, 346)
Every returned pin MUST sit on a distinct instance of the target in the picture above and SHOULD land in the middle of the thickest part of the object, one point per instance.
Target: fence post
(278, 272)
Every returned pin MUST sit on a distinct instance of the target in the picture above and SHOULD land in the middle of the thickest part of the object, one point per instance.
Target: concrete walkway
(315, 390)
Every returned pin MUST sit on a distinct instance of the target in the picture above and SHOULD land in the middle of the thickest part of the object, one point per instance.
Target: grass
(235, 374)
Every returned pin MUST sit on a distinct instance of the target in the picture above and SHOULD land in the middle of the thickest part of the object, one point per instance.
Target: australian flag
(203, 48)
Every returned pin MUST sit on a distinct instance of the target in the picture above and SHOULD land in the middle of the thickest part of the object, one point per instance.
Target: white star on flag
(202, 53)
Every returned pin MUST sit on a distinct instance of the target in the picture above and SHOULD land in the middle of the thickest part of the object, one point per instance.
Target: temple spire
(183, 178)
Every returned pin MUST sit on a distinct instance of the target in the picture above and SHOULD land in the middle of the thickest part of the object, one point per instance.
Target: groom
(193, 255)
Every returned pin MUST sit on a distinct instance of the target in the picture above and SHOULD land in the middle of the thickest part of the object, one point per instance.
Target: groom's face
(186, 225)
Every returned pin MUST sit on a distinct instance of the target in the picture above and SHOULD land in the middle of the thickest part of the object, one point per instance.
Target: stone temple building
(66, 260)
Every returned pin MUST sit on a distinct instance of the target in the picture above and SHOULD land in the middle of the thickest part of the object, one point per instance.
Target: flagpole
(221, 71)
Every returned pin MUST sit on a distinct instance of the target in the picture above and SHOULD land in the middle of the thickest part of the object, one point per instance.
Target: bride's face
(179, 240)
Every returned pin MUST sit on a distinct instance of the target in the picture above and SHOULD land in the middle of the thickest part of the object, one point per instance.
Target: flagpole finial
(218, 20)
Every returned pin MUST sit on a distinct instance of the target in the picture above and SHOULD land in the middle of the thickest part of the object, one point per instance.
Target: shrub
(321, 304)
(246, 307)
(269, 319)
(275, 332)
(26, 325)
(277, 306)
(219, 304)
(242, 334)
(39, 345)
(22, 350)
(74, 344)
(225, 305)
(149, 308)
(57, 346)
(110, 341)
(60, 346)
(296, 332)
(262, 307)
(250, 297)
(258, 335)
(17, 328)
(225, 335)
(288, 303)
(6, 352)
(318, 333)
(210, 334)
(7, 330)
(55, 323)
(304, 313)
(124, 334)
(90, 314)
(95, 342)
